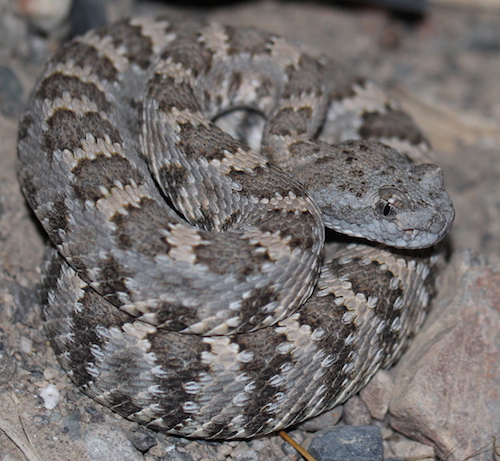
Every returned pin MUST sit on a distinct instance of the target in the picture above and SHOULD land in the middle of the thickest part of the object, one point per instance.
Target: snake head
(367, 189)
(415, 214)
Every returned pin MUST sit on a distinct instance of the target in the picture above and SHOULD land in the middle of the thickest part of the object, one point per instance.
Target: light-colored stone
(408, 449)
(356, 412)
(45, 14)
(447, 391)
(50, 396)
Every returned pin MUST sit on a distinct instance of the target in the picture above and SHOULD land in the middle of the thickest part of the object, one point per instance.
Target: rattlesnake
(184, 302)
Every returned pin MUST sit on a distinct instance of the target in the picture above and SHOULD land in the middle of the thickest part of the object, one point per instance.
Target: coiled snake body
(196, 300)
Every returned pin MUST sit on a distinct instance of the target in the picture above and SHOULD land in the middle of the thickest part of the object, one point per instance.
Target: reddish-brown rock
(447, 390)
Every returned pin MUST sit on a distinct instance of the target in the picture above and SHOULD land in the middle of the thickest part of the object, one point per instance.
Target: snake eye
(386, 209)
(391, 201)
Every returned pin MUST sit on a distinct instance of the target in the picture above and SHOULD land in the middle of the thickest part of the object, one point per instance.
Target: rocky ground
(442, 400)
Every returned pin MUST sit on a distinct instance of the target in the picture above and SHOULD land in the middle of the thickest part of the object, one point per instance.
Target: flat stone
(105, 442)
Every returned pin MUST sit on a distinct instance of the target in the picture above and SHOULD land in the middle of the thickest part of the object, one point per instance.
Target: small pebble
(176, 454)
(244, 453)
(323, 421)
(50, 396)
(41, 420)
(46, 15)
(356, 412)
(49, 373)
(91, 410)
(25, 345)
(142, 440)
(377, 394)
(71, 425)
(410, 449)
(348, 443)
(55, 416)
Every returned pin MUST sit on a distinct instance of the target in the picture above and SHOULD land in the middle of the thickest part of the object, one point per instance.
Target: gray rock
(104, 442)
(446, 389)
(348, 443)
(142, 440)
(71, 425)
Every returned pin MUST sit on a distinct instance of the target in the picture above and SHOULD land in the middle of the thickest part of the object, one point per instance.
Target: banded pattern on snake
(196, 300)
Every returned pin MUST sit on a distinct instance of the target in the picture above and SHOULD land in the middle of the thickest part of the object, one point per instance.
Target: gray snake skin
(187, 287)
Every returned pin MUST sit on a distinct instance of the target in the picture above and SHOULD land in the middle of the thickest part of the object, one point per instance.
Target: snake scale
(187, 287)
